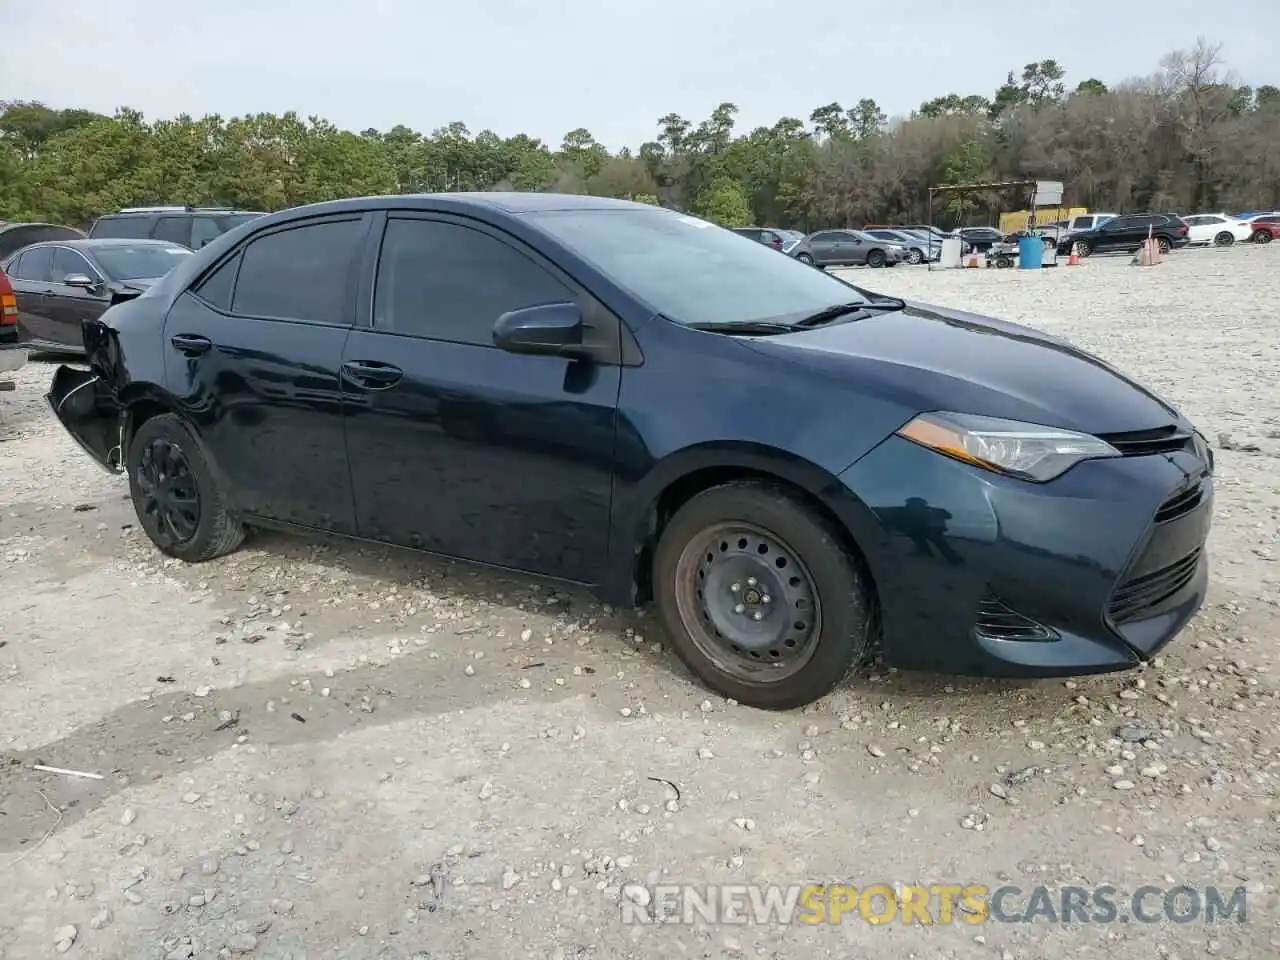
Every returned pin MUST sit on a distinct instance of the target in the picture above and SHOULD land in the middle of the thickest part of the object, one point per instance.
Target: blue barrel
(1030, 253)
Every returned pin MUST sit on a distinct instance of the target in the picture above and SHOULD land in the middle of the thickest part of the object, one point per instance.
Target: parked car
(62, 283)
(918, 248)
(769, 237)
(980, 239)
(13, 356)
(796, 245)
(15, 236)
(936, 235)
(1127, 233)
(571, 387)
(190, 226)
(1265, 228)
(852, 248)
(1217, 229)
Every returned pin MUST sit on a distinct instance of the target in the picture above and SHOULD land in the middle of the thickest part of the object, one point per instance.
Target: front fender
(635, 517)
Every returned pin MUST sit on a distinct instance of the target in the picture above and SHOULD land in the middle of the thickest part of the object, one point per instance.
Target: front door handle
(372, 374)
(191, 344)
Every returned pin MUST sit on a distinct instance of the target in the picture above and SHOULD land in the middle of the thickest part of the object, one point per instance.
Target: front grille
(1141, 443)
(997, 621)
(1180, 504)
(1135, 597)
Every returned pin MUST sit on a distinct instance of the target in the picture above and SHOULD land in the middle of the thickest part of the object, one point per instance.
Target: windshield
(143, 261)
(692, 271)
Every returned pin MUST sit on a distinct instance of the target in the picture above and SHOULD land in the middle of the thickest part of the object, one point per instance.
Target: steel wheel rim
(170, 498)
(748, 602)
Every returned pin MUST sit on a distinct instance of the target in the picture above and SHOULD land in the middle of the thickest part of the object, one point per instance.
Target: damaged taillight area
(87, 409)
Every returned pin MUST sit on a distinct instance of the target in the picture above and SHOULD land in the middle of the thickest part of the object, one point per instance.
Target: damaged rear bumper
(87, 409)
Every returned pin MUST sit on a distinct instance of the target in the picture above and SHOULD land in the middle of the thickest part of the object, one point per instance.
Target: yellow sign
(1017, 220)
(880, 903)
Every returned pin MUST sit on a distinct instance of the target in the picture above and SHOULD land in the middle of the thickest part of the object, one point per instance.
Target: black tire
(205, 531)
(915, 256)
(1262, 236)
(805, 258)
(875, 259)
(838, 616)
(1003, 262)
(1163, 244)
(1224, 239)
(1083, 248)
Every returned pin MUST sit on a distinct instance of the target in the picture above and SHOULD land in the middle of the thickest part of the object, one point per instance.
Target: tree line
(1186, 138)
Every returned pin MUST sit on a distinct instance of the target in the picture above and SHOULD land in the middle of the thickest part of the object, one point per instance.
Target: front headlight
(1028, 451)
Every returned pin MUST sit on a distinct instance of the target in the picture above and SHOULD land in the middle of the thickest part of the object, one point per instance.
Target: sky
(547, 67)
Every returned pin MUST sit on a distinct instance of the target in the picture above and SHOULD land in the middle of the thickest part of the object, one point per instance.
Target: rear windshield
(129, 228)
(152, 260)
(692, 271)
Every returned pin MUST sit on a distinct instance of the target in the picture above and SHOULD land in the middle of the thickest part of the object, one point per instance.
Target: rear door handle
(372, 374)
(190, 344)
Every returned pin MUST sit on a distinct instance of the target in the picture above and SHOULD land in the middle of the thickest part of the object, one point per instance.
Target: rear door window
(35, 266)
(303, 273)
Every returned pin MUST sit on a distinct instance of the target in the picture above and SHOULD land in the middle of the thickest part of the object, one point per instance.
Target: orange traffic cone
(1073, 260)
(972, 261)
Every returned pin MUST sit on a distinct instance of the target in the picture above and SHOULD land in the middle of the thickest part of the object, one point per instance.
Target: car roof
(90, 244)
(178, 212)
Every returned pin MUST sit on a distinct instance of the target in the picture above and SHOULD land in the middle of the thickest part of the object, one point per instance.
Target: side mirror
(552, 329)
(79, 280)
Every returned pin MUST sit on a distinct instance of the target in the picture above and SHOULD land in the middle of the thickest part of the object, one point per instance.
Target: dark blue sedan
(625, 397)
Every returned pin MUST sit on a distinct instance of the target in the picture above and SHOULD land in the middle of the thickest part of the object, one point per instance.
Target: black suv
(190, 226)
(1127, 233)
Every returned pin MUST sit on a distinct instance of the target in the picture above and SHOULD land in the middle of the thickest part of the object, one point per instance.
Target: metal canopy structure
(1042, 193)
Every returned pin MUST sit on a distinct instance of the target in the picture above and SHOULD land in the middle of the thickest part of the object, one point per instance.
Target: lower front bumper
(982, 575)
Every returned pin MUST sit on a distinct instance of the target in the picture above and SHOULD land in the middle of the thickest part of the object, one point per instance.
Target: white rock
(128, 816)
(64, 937)
(875, 751)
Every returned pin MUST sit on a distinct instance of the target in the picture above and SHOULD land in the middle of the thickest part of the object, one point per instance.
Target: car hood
(934, 358)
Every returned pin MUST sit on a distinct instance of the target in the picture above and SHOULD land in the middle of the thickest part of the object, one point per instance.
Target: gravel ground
(319, 750)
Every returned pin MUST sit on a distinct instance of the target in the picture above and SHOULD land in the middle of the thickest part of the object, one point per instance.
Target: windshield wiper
(845, 309)
(748, 328)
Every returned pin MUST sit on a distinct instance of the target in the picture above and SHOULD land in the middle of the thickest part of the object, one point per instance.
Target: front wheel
(1262, 236)
(759, 596)
(1083, 248)
(875, 258)
(1224, 239)
(178, 500)
(805, 259)
(914, 257)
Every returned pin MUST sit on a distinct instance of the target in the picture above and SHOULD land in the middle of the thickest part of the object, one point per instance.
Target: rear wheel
(759, 596)
(875, 258)
(175, 495)
(1224, 239)
(1262, 236)
(1163, 244)
(805, 259)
